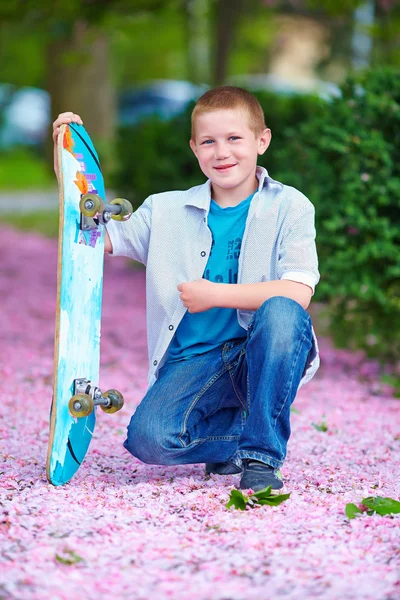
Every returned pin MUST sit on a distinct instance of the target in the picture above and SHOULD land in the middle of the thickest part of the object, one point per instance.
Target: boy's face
(227, 150)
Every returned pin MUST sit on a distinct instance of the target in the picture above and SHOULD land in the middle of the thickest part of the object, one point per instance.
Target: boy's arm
(107, 243)
(131, 238)
(201, 295)
(250, 296)
(297, 271)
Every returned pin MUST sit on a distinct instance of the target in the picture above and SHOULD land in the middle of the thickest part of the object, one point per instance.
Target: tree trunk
(198, 55)
(79, 80)
(226, 20)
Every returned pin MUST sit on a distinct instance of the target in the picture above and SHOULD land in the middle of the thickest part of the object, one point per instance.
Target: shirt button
(155, 363)
(203, 253)
(170, 327)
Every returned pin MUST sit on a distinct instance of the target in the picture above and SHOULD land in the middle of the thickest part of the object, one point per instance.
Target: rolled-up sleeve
(131, 238)
(298, 260)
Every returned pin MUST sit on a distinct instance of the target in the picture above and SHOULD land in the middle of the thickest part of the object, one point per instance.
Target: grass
(43, 222)
(21, 168)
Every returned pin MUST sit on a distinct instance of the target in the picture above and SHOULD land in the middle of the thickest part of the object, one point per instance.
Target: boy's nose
(221, 151)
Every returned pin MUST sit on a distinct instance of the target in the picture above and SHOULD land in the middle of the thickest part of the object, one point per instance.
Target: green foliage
(263, 497)
(21, 168)
(378, 504)
(154, 156)
(394, 381)
(45, 12)
(22, 56)
(142, 50)
(346, 159)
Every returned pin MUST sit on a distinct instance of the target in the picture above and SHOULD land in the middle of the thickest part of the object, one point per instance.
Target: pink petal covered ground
(146, 531)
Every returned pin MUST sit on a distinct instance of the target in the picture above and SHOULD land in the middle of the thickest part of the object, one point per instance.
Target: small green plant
(378, 504)
(69, 558)
(394, 381)
(263, 497)
(320, 426)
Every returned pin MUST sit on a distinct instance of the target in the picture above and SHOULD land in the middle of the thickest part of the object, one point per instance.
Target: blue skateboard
(83, 214)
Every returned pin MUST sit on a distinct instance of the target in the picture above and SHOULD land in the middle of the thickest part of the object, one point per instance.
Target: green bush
(346, 159)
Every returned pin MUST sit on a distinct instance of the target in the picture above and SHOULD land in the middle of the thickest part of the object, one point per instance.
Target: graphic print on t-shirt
(203, 331)
(226, 254)
(229, 273)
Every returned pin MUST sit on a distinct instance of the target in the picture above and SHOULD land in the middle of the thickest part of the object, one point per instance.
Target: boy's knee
(145, 442)
(281, 318)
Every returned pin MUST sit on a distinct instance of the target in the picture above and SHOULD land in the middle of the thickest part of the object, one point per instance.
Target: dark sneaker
(258, 475)
(226, 468)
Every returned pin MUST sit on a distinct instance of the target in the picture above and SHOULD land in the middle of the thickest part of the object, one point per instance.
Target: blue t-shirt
(200, 332)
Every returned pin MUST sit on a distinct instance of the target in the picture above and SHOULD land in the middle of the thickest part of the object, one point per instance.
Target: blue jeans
(231, 403)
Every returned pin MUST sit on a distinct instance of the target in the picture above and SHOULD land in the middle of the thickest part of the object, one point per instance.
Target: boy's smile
(227, 151)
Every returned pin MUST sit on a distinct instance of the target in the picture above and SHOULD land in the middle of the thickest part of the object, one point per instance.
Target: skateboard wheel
(126, 209)
(90, 205)
(81, 405)
(116, 399)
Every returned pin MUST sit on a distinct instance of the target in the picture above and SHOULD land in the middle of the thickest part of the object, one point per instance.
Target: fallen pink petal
(122, 529)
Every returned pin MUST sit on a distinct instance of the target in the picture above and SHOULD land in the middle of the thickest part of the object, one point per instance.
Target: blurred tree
(227, 17)
(197, 15)
(373, 23)
(148, 45)
(77, 58)
(243, 34)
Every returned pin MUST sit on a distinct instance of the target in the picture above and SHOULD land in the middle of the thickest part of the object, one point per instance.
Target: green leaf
(352, 510)
(263, 497)
(265, 492)
(237, 499)
(382, 506)
(70, 558)
(320, 427)
(274, 500)
(293, 409)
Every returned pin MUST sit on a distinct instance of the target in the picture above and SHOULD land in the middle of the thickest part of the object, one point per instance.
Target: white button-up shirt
(169, 234)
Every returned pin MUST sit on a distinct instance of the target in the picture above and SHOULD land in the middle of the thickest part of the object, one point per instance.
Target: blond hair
(229, 97)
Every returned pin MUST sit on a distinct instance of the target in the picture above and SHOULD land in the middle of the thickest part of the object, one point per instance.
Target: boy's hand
(67, 117)
(198, 295)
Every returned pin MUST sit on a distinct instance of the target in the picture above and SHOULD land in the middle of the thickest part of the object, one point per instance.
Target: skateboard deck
(78, 313)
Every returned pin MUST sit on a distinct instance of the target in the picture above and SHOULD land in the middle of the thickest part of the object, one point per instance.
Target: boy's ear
(193, 147)
(264, 140)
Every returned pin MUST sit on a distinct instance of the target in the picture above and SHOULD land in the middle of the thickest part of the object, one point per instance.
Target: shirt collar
(201, 196)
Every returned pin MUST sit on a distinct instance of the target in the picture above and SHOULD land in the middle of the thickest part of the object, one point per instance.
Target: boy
(231, 266)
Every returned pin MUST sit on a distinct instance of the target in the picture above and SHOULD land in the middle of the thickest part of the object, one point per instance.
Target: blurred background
(326, 74)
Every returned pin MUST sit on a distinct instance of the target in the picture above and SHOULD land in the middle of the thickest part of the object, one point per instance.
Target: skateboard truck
(95, 211)
(87, 396)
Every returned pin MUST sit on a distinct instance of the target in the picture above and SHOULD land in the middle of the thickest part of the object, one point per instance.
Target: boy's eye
(234, 137)
(207, 142)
